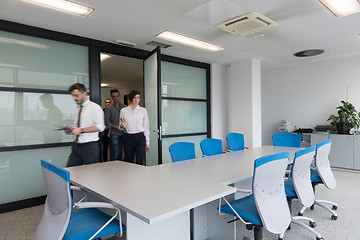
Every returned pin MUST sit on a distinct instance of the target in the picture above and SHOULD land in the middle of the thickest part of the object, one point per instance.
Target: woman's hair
(132, 94)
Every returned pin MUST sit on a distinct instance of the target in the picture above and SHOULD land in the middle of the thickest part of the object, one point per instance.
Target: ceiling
(305, 24)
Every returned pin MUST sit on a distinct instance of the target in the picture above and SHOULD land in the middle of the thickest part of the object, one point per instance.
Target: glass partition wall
(184, 106)
(35, 75)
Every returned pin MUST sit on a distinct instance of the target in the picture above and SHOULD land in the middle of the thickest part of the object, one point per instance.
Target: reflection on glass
(29, 118)
(180, 117)
(20, 172)
(166, 142)
(179, 80)
(57, 65)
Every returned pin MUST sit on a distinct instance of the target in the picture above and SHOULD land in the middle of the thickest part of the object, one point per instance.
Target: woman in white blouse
(134, 119)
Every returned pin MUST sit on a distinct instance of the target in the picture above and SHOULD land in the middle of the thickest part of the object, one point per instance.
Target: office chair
(59, 221)
(298, 186)
(211, 146)
(235, 141)
(266, 206)
(180, 151)
(287, 139)
(323, 175)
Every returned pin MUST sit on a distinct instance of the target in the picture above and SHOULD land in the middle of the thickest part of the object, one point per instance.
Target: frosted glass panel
(28, 118)
(31, 62)
(151, 104)
(182, 81)
(20, 172)
(166, 158)
(179, 117)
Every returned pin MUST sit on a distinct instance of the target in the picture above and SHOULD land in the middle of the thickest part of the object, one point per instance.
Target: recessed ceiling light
(309, 53)
(63, 6)
(342, 8)
(104, 84)
(170, 36)
(124, 43)
(104, 56)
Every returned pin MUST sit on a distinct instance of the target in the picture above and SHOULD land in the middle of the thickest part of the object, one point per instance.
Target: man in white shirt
(89, 121)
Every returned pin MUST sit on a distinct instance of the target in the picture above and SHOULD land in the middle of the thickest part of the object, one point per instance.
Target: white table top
(151, 194)
(225, 168)
(155, 193)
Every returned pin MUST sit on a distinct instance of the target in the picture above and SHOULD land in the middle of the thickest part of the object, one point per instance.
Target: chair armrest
(76, 188)
(243, 190)
(231, 207)
(83, 205)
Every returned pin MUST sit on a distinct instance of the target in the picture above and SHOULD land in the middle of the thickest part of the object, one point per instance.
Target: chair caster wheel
(312, 207)
(333, 217)
(312, 224)
(319, 238)
(281, 238)
(334, 207)
(300, 214)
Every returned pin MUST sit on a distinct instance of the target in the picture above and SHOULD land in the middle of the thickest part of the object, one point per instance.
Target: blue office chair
(323, 175)
(59, 221)
(235, 141)
(298, 186)
(211, 146)
(267, 206)
(287, 139)
(180, 151)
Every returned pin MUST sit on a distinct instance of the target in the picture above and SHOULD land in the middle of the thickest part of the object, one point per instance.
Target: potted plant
(346, 119)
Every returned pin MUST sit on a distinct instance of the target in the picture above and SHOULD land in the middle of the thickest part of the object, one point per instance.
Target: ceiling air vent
(158, 44)
(247, 24)
(309, 53)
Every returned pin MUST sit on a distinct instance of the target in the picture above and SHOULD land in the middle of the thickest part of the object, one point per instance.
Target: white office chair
(323, 175)
(267, 206)
(298, 186)
(60, 222)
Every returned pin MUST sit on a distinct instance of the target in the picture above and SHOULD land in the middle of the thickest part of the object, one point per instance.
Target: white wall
(244, 92)
(219, 102)
(307, 95)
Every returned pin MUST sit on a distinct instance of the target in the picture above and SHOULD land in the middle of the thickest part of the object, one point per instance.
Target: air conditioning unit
(247, 24)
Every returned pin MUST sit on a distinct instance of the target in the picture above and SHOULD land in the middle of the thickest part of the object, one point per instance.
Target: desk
(233, 168)
(157, 202)
(157, 199)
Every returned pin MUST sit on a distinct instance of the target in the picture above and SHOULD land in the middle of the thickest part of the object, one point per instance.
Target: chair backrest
(287, 139)
(323, 164)
(301, 177)
(235, 141)
(180, 151)
(269, 191)
(211, 146)
(58, 205)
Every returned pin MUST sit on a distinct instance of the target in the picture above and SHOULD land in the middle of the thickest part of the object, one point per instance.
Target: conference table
(157, 200)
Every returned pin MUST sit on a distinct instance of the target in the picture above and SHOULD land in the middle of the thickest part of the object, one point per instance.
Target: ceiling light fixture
(170, 36)
(63, 6)
(342, 8)
(104, 56)
(104, 84)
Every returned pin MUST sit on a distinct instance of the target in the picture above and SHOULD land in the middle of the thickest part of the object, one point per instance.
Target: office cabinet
(318, 138)
(357, 152)
(342, 151)
(345, 149)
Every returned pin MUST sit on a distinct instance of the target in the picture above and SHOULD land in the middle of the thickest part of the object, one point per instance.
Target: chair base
(321, 204)
(296, 220)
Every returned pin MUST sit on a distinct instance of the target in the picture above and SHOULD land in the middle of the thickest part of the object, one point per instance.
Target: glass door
(152, 104)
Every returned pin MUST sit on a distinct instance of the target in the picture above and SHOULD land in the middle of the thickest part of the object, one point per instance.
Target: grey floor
(21, 224)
